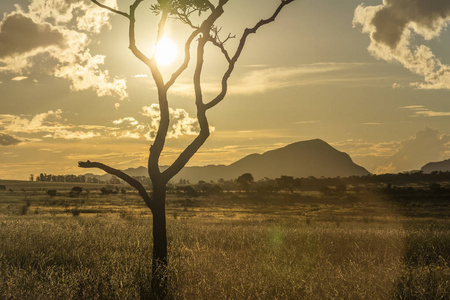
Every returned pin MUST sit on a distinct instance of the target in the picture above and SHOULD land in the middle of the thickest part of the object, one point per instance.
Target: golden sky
(371, 79)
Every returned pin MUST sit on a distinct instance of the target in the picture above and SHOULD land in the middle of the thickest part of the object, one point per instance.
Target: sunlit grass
(289, 249)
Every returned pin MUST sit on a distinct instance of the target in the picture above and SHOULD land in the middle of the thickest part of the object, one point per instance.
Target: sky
(370, 78)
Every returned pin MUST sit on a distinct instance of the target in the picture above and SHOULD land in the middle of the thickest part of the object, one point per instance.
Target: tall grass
(88, 257)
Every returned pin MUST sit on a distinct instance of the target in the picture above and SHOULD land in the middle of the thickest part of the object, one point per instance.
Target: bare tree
(206, 32)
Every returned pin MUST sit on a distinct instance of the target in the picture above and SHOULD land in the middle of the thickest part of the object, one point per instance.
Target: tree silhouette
(288, 183)
(245, 180)
(206, 32)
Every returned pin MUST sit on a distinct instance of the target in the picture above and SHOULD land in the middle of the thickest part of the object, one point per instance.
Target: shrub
(76, 191)
(51, 193)
(75, 212)
(106, 191)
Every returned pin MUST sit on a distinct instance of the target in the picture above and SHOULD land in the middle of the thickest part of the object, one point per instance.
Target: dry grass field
(231, 246)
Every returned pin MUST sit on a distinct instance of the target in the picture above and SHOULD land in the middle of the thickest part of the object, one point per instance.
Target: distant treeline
(392, 179)
(394, 185)
(43, 177)
(289, 183)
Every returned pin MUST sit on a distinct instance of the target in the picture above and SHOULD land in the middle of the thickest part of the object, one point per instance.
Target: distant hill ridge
(436, 166)
(301, 159)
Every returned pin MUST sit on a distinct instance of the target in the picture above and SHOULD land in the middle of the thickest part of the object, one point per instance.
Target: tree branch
(125, 177)
(187, 58)
(215, 40)
(238, 52)
(190, 150)
(210, 5)
(204, 28)
(131, 35)
(111, 9)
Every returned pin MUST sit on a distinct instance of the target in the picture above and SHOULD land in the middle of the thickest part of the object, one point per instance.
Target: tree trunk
(159, 262)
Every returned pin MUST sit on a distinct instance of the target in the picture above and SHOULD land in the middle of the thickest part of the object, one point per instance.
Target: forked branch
(233, 60)
(216, 41)
(206, 28)
(125, 177)
(187, 58)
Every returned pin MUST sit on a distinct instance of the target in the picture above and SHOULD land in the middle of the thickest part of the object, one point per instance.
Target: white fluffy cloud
(43, 125)
(392, 27)
(52, 125)
(40, 122)
(181, 123)
(53, 37)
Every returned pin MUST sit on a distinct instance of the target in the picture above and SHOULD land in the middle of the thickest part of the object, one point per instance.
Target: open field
(230, 246)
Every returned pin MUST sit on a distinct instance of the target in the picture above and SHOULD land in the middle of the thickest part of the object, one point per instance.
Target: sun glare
(166, 51)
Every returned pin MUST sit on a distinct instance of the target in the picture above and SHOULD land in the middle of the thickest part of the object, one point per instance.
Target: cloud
(392, 27)
(428, 145)
(71, 135)
(129, 127)
(398, 156)
(50, 150)
(53, 38)
(180, 122)
(52, 125)
(306, 122)
(8, 140)
(19, 78)
(364, 148)
(422, 111)
(43, 125)
(40, 122)
(264, 79)
(19, 34)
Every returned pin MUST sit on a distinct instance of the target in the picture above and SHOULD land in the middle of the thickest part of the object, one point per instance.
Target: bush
(106, 191)
(76, 191)
(75, 212)
(51, 193)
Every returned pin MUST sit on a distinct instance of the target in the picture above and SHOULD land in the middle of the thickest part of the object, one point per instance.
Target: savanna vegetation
(352, 243)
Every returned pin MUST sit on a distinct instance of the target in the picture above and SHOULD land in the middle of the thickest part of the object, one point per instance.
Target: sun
(166, 51)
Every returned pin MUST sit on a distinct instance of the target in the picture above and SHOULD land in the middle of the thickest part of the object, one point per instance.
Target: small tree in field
(245, 180)
(202, 34)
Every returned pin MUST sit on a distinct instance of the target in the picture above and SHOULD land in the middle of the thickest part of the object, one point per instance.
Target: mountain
(139, 171)
(302, 159)
(436, 166)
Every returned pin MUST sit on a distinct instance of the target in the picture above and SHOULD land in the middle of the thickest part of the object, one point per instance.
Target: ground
(234, 245)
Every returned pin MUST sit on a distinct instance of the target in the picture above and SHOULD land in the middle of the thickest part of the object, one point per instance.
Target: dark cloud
(19, 34)
(392, 27)
(393, 18)
(8, 140)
